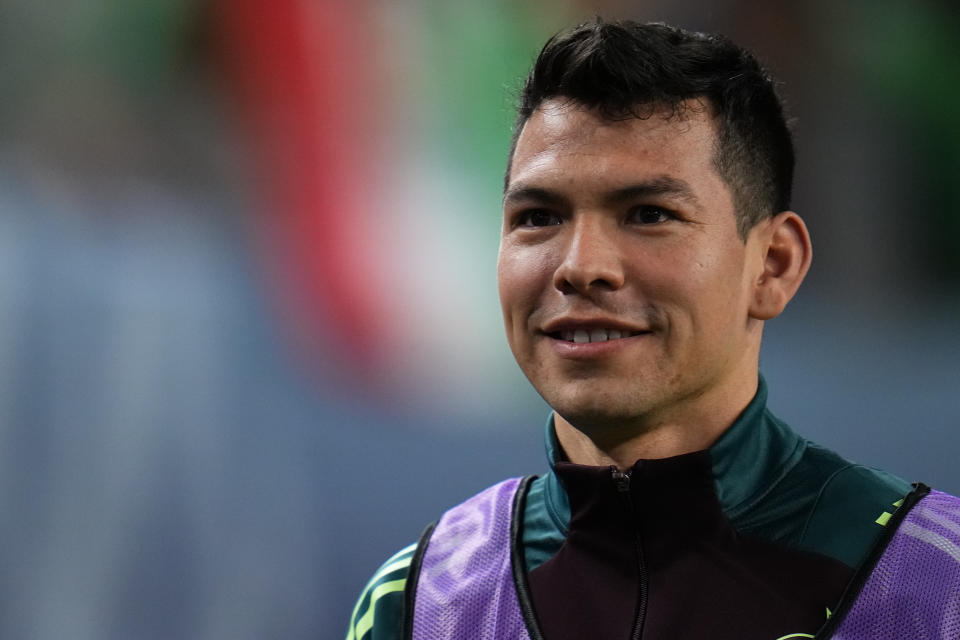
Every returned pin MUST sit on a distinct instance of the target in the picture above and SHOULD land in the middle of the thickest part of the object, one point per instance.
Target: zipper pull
(621, 479)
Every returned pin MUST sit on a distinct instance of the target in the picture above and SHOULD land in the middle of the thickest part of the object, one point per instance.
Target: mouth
(583, 336)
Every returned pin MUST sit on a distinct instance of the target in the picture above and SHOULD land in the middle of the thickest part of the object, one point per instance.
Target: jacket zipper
(622, 482)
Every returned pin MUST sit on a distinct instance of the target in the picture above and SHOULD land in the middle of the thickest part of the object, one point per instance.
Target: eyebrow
(524, 193)
(657, 186)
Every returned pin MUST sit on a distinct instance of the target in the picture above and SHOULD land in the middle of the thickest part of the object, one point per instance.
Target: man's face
(623, 280)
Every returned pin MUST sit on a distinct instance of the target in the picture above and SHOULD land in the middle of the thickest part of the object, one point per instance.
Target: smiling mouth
(582, 336)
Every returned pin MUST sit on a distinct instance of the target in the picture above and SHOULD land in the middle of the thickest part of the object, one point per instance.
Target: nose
(591, 261)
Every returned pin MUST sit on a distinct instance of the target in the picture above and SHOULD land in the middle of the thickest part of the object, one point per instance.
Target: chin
(599, 415)
(603, 405)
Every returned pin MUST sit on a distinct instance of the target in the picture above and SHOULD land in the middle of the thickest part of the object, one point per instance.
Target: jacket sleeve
(378, 614)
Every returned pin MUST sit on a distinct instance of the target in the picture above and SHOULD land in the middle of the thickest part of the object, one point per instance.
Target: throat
(621, 446)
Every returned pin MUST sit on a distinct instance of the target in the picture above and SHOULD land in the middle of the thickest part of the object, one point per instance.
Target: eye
(537, 218)
(649, 215)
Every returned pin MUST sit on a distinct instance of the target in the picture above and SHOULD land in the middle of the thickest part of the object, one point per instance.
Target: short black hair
(628, 69)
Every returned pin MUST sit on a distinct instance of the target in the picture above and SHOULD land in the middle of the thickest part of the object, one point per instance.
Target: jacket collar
(747, 461)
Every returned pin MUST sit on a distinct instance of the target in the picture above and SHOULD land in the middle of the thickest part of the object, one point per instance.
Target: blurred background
(250, 341)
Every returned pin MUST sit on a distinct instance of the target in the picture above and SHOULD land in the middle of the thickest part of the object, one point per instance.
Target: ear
(785, 247)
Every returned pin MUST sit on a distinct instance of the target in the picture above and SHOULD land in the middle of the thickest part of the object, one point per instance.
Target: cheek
(509, 284)
(699, 288)
(678, 274)
(720, 296)
(523, 276)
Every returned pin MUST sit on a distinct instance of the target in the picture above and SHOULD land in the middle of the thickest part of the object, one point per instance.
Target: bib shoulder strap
(461, 581)
(912, 590)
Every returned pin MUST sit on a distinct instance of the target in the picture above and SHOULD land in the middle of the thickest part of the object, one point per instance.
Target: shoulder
(911, 590)
(852, 507)
(378, 614)
(932, 527)
(826, 504)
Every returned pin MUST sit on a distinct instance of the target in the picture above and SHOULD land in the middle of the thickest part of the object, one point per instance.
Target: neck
(649, 438)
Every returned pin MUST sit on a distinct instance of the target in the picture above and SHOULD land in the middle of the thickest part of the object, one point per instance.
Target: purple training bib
(465, 589)
(914, 590)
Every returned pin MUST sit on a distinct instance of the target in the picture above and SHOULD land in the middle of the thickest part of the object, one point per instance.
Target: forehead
(564, 140)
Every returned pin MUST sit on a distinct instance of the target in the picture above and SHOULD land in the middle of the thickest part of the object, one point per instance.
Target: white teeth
(581, 336)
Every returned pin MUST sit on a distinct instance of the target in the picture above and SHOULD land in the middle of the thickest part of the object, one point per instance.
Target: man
(646, 239)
